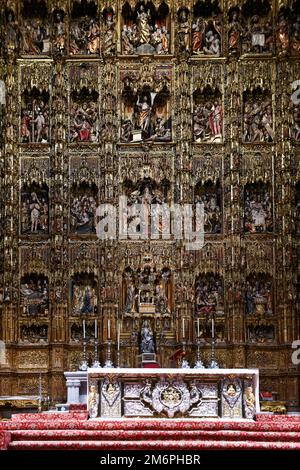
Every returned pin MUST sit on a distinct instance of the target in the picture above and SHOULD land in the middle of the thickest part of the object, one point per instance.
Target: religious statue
(147, 340)
(235, 31)
(12, 32)
(258, 297)
(130, 306)
(161, 301)
(93, 402)
(143, 22)
(282, 35)
(59, 33)
(249, 403)
(198, 34)
(296, 119)
(34, 210)
(258, 210)
(208, 121)
(183, 31)
(109, 32)
(83, 210)
(258, 121)
(295, 39)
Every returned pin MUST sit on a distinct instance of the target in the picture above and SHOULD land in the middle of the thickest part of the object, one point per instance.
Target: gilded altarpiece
(159, 102)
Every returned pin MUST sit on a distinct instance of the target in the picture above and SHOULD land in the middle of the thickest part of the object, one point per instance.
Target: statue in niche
(143, 24)
(296, 119)
(35, 210)
(261, 334)
(59, 32)
(35, 117)
(93, 402)
(130, 302)
(258, 209)
(35, 33)
(282, 33)
(34, 295)
(145, 29)
(83, 209)
(209, 295)
(295, 36)
(183, 30)
(109, 32)
(198, 35)
(249, 403)
(84, 121)
(258, 30)
(258, 117)
(206, 29)
(210, 196)
(12, 32)
(207, 118)
(235, 32)
(258, 297)
(84, 299)
(146, 116)
(147, 340)
(84, 30)
(34, 333)
(161, 300)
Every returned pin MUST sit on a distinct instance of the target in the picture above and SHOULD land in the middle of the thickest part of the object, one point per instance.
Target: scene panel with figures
(145, 28)
(35, 29)
(83, 206)
(34, 291)
(84, 29)
(84, 103)
(258, 216)
(34, 209)
(146, 104)
(207, 29)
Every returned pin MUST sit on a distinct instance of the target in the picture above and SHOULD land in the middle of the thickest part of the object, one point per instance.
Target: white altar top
(192, 373)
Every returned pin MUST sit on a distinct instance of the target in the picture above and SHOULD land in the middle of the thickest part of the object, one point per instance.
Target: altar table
(173, 393)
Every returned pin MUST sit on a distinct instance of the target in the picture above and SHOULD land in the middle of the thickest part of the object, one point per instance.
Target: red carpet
(73, 431)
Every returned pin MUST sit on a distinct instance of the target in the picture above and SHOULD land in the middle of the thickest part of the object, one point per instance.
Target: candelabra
(84, 363)
(108, 363)
(198, 364)
(184, 362)
(213, 362)
(96, 363)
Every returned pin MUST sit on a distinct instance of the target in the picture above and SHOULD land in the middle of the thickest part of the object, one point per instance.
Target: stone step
(151, 445)
(123, 434)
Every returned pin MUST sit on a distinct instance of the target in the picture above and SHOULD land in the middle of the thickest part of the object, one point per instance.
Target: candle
(198, 328)
(83, 324)
(96, 332)
(183, 329)
(119, 334)
(212, 328)
(108, 329)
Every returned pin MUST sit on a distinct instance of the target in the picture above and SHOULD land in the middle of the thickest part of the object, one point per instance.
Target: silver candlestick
(84, 363)
(108, 363)
(198, 364)
(96, 363)
(213, 362)
(184, 362)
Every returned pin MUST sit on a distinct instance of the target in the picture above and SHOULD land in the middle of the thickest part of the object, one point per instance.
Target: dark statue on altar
(147, 339)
